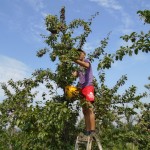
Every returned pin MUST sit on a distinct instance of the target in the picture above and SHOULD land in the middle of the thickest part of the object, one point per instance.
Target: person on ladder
(85, 75)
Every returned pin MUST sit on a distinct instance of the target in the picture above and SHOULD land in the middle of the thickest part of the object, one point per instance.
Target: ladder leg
(98, 142)
(99, 145)
(77, 145)
(90, 144)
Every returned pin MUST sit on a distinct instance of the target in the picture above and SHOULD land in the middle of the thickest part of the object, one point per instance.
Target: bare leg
(89, 117)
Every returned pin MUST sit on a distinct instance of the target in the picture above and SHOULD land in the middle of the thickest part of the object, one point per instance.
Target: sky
(22, 22)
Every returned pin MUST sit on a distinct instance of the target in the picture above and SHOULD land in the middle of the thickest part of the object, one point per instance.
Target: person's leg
(88, 111)
(86, 116)
(87, 119)
(89, 116)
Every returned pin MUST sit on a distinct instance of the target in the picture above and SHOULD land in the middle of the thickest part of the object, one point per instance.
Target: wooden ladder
(87, 141)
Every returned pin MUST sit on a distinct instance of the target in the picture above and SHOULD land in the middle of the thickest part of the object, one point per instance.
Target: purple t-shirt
(85, 75)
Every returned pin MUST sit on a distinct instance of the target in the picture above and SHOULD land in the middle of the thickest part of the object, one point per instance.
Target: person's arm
(82, 63)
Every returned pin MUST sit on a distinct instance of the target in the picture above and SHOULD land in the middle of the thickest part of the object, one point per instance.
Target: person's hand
(75, 74)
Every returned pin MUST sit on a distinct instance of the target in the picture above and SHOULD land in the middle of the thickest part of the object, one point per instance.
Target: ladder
(87, 141)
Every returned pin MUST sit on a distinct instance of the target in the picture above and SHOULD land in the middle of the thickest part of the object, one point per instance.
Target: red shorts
(88, 93)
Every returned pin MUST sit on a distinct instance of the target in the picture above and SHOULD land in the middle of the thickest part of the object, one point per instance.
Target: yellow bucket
(71, 91)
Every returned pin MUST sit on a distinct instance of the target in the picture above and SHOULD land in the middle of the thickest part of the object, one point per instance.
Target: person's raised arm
(82, 63)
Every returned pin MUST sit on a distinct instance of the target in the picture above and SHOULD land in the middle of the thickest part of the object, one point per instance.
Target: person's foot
(92, 131)
(87, 133)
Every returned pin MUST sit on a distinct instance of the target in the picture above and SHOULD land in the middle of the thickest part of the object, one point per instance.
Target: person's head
(82, 54)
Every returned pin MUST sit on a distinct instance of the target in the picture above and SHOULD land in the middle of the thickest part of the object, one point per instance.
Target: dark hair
(80, 50)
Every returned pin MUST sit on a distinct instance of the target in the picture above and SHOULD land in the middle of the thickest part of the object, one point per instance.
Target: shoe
(87, 133)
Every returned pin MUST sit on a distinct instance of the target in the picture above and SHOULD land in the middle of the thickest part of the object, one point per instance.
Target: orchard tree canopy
(52, 123)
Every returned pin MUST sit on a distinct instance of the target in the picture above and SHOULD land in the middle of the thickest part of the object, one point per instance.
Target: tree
(143, 128)
(52, 122)
(148, 85)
